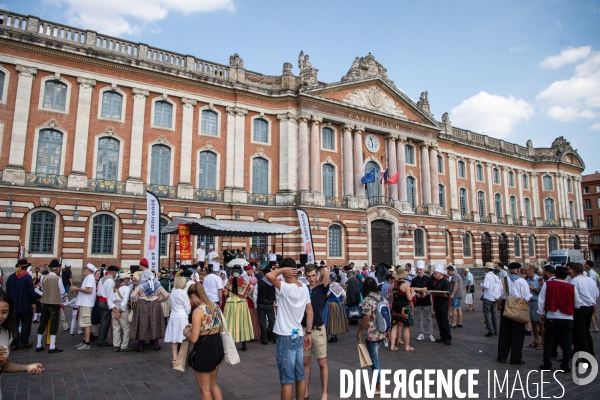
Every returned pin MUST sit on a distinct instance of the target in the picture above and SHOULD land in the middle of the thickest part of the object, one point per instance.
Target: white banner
(152, 231)
(307, 242)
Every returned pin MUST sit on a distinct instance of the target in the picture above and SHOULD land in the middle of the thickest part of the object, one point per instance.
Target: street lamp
(9, 208)
(316, 221)
(442, 229)
(134, 216)
(76, 213)
(362, 227)
(186, 212)
(237, 215)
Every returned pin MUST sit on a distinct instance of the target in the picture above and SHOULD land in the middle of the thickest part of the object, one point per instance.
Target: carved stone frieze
(364, 67)
(374, 99)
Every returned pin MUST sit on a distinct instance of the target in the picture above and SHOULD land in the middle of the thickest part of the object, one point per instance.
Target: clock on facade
(372, 143)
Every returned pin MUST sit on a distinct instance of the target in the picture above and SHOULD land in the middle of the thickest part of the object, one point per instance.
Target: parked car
(565, 256)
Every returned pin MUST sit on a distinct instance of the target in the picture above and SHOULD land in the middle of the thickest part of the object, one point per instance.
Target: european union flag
(368, 178)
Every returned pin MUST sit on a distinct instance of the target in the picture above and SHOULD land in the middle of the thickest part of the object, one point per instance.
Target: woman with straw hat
(401, 310)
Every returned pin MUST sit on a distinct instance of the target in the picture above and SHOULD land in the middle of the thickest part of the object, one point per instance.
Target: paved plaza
(102, 374)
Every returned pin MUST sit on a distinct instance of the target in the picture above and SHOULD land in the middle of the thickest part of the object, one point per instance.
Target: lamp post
(8, 211)
(76, 213)
(134, 216)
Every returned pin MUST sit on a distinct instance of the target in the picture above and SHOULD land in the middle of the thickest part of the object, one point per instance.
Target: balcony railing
(380, 201)
(421, 210)
(106, 186)
(163, 190)
(208, 195)
(531, 222)
(551, 222)
(485, 219)
(517, 221)
(259, 198)
(503, 221)
(52, 181)
(467, 217)
(338, 202)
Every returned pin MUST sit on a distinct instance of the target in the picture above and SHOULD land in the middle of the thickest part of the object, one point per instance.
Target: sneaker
(431, 338)
(84, 347)
(79, 344)
(420, 337)
(377, 389)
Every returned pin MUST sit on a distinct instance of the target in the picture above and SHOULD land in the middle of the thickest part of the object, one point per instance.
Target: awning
(212, 227)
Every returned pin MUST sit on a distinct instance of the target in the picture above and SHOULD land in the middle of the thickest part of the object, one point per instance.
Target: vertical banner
(307, 242)
(152, 231)
(185, 249)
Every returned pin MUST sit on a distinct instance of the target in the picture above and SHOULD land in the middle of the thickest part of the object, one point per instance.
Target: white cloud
(491, 114)
(567, 56)
(118, 17)
(595, 126)
(558, 24)
(570, 113)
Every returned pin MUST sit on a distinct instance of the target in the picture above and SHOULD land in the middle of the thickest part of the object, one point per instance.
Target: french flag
(383, 177)
(392, 180)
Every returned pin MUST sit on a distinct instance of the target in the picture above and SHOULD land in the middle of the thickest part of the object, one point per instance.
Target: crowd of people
(300, 308)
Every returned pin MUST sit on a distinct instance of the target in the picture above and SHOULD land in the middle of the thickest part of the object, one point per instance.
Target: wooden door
(381, 242)
(486, 248)
(503, 248)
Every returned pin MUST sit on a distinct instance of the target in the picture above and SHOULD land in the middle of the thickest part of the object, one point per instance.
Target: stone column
(78, 176)
(425, 175)
(433, 172)
(564, 197)
(391, 143)
(288, 154)
(230, 148)
(303, 171)
(185, 189)
(519, 181)
(240, 159)
(359, 190)
(506, 195)
(15, 171)
(536, 195)
(453, 185)
(578, 200)
(490, 180)
(401, 160)
(315, 155)
(473, 189)
(134, 182)
(348, 173)
(235, 164)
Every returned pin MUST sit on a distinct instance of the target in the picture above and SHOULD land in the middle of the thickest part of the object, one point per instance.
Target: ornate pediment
(365, 67)
(373, 98)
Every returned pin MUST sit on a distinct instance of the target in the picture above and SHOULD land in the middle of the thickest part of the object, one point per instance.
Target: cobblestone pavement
(100, 373)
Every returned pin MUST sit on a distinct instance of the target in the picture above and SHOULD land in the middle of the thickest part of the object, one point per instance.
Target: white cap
(420, 264)
(91, 268)
(68, 264)
(439, 268)
(216, 267)
(506, 268)
(201, 243)
(210, 246)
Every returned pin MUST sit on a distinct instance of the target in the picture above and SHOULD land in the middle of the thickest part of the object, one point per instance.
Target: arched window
(531, 246)
(261, 130)
(571, 211)
(103, 234)
(49, 152)
(164, 243)
(328, 180)
(107, 165)
(41, 232)
(373, 188)
(552, 244)
(549, 206)
(466, 245)
(513, 207)
(410, 191)
(112, 105)
(2, 78)
(527, 209)
(163, 114)
(547, 180)
(160, 168)
(479, 172)
(463, 201)
(498, 203)
(517, 243)
(569, 185)
(447, 244)
(55, 95)
(409, 152)
(462, 172)
(525, 181)
(209, 122)
(511, 178)
(207, 175)
(260, 175)
(576, 243)
(328, 139)
(440, 161)
(442, 194)
(419, 243)
(496, 173)
(481, 203)
(335, 241)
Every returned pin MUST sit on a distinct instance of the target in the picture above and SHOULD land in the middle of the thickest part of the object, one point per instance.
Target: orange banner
(185, 244)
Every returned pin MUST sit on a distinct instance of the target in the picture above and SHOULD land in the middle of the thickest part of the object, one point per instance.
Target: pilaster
(134, 182)
(315, 154)
(288, 154)
(185, 189)
(401, 167)
(392, 165)
(303, 153)
(425, 175)
(78, 176)
(453, 184)
(359, 190)
(348, 173)
(433, 175)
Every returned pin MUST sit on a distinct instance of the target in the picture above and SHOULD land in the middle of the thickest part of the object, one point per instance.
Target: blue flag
(368, 178)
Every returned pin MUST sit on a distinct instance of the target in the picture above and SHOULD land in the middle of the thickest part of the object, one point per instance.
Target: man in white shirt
(292, 303)
(201, 255)
(213, 285)
(106, 288)
(500, 268)
(118, 304)
(490, 286)
(588, 295)
(512, 333)
(86, 297)
(589, 268)
(212, 257)
(272, 257)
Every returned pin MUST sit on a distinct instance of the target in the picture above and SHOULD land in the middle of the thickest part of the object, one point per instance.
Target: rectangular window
(588, 204)
(112, 103)
(209, 122)
(208, 240)
(466, 245)
(525, 182)
(335, 241)
(511, 179)
(409, 152)
(260, 242)
(440, 161)
(596, 239)
(55, 95)
(496, 176)
(598, 202)
(589, 221)
(328, 139)
(597, 189)
(586, 190)
(547, 182)
(461, 169)
(479, 170)
(442, 191)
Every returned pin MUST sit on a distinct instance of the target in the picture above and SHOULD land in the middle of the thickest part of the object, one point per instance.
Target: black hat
(23, 261)
(54, 264)
(322, 262)
(347, 268)
(514, 265)
(113, 268)
(187, 273)
(562, 270)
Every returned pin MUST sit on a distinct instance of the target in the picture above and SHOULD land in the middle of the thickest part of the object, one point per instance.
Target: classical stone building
(590, 185)
(88, 123)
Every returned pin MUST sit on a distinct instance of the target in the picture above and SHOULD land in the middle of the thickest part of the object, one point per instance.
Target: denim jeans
(490, 313)
(290, 359)
(373, 348)
(424, 312)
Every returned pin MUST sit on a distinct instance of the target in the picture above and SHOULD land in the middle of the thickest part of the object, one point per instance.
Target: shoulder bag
(515, 308)
(231, 354)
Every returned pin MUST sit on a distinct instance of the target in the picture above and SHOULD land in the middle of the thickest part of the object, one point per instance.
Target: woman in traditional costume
(148, 320)
(334, 313)
(237, 313)
(401, 311)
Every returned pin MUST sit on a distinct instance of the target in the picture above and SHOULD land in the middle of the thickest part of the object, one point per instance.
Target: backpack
(383, 319)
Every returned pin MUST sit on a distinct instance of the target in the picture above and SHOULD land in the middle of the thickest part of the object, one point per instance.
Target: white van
(566, 256)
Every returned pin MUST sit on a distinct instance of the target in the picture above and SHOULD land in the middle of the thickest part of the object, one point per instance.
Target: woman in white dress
(180, 309)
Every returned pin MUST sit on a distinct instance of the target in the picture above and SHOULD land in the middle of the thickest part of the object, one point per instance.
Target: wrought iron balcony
(503, 221)
(380, 201)
(53, 181)
(208, 195)
(338, 202)
(421, 210)
(467, 217)
(106, 186)
(486, 219)
(259, 198)
(551, 222)
(518, 221)
(163, 190)
(531, 222)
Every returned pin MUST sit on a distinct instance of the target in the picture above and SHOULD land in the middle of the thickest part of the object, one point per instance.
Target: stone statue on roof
(236, 61)
(308, 74)
(365, 67)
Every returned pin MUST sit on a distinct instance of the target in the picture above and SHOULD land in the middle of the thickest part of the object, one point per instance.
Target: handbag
(182, 362)
(364, 356)
(354, 312)
(231, 354)
(515, 308)
(469, 299)
(130, 316)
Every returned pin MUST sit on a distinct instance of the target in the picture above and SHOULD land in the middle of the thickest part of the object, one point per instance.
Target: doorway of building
(381, 242)
(503, 248)
(486, 248)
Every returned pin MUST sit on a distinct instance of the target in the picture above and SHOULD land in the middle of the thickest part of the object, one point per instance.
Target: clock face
(372, 143)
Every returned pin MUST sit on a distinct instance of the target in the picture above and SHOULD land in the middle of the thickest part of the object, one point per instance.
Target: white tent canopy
(213, 227)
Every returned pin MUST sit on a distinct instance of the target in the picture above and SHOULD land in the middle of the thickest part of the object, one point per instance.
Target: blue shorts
(290, 359)
(456, 302)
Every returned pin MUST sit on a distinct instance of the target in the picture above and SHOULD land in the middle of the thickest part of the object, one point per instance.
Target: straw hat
(400, 273)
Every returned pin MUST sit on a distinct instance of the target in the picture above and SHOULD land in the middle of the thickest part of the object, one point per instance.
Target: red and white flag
(392, 180)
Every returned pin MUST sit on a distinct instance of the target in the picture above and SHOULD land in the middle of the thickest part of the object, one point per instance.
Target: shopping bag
(231, 354)
(364, 356)
(181, 362)
(469, 298)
